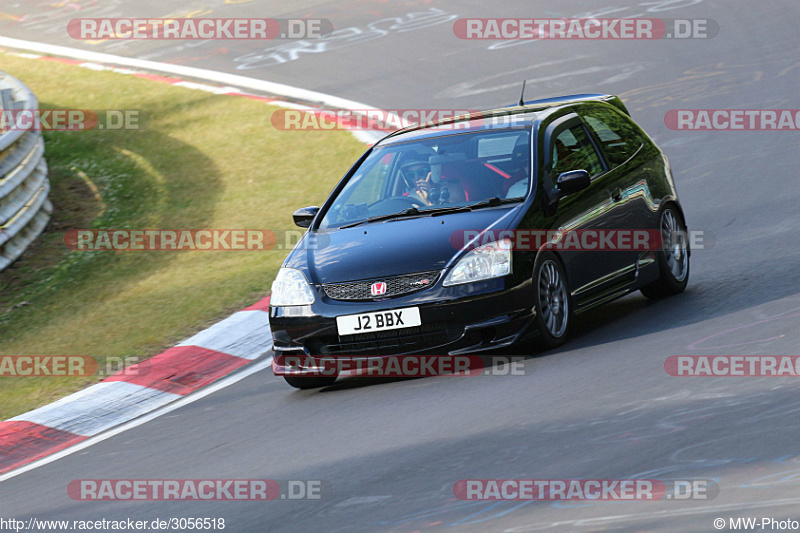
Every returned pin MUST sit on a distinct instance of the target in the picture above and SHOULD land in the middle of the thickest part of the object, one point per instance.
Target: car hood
(393, 247)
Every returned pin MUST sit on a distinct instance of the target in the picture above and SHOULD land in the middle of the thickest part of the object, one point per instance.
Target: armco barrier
(24, 207)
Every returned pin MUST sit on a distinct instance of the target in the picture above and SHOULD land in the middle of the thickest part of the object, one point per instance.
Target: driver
(425, 188)
(418, 176)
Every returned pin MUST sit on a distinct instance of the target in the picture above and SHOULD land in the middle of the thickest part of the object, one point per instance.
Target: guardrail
(24, 206)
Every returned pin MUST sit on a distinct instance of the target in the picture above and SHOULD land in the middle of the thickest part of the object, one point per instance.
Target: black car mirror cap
(573, 181)
(305, 215)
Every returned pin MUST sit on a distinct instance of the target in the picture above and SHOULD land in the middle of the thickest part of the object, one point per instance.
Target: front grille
(396, 286)
(390, 341)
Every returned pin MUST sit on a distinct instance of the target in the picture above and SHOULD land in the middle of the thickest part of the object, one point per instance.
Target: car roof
(513, 116)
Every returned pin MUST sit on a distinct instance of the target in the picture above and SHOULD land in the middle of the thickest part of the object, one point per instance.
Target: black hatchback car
(480, 231)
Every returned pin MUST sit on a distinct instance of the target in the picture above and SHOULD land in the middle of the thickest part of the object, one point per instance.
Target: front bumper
(463, 319)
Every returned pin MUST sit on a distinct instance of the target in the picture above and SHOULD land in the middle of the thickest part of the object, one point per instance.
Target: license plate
(378, 321)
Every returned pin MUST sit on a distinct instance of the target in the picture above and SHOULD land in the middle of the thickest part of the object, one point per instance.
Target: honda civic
(477, 232)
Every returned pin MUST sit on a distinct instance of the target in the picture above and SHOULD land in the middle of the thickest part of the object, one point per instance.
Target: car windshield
(445, 173)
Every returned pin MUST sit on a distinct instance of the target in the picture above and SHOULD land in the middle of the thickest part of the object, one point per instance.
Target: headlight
(291, 288)
(488, 261)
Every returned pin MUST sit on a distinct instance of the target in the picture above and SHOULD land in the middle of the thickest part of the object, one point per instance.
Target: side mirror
(573, 181)
(303, 216)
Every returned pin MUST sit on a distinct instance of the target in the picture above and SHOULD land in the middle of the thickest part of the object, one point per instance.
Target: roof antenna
(522, 94)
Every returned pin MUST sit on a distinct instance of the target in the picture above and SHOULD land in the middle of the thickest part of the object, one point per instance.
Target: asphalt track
(602, 407)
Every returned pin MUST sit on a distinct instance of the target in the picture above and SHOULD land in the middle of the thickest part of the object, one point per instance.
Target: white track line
(190, 72)
(368, 137)
(185, 400)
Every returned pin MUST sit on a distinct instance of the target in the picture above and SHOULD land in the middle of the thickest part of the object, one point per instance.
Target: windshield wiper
(410, 212)
(494, 201)
(447, 210)
(489, 202)
(414, 212)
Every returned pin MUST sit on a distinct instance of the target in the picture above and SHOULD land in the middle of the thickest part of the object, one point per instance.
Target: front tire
(552, 301)
(672, 256)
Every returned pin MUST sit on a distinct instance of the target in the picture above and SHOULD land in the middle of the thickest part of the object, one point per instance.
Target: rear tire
(309, 382)
(552, 301)
(672, 257)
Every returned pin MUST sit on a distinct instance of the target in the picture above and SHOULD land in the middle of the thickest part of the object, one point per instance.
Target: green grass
(203, 161)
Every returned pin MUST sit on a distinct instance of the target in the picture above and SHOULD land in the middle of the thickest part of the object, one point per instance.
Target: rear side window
(573, 150)
(617, 134)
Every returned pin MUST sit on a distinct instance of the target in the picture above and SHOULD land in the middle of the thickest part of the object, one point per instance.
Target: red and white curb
(139, 389)
(162, 383)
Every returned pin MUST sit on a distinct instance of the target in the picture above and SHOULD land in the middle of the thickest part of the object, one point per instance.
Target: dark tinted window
(618, 136)
(572, 150)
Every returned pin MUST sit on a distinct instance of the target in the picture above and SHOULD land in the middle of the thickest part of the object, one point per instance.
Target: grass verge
(202, 161)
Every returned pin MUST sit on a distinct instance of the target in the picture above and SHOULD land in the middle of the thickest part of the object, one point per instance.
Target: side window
(572, 150)
(618, 136)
